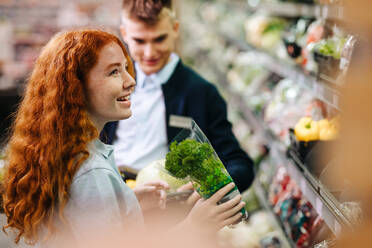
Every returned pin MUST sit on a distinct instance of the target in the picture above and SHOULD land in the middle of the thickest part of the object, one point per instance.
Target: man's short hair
(147, 11)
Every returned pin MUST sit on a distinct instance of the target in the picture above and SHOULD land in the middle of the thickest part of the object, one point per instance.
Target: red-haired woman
(60, 178)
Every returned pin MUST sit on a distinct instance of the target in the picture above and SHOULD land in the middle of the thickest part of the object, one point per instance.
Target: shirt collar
(102, 148)
(159, 77)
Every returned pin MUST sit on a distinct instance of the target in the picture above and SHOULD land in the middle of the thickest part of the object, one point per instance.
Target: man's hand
(152, 195)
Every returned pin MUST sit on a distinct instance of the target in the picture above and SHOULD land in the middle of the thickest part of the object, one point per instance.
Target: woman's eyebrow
(113, 65)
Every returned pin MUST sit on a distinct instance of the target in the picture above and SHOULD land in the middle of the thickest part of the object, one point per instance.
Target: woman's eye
(114, 72)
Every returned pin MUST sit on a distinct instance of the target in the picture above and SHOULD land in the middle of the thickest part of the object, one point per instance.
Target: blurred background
(295, 76)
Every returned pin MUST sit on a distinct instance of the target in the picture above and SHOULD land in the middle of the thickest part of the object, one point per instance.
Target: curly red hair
(51, 131)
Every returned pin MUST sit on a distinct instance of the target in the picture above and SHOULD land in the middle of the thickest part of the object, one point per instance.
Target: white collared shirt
(142, 138)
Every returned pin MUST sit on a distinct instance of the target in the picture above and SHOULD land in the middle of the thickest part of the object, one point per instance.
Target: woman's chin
(125, 115)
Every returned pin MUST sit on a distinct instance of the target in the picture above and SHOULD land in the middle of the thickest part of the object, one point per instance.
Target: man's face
(150, 45)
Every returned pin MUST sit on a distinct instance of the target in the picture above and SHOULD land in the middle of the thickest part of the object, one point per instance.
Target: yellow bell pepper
(307, 130)
(131, 183)
(327, 131)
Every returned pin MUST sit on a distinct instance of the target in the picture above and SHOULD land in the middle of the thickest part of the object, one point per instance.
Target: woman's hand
(152, 195)
(193, 198)
(207, 215)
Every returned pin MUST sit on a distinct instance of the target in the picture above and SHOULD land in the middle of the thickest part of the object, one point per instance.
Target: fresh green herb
(197, 160)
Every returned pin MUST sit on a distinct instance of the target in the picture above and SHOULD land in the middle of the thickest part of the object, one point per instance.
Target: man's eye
(114, 72)
(139, 41)
(160, 39)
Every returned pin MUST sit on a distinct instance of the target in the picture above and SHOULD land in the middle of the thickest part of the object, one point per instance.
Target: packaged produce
(346, 56)
(287, 105)
(299, 218)
(259, 229)
(315, 33)
(330, 47)
(353, 211)
(192, 157)
(264, 32)
(250, 199)
(295, 39)
(240, 236)
(131, 183)
(316, 109)
(307, 130)
(326, 244)
(155, 171)
(327, 131)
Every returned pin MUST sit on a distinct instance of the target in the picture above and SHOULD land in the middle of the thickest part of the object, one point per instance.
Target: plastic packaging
(192, 157)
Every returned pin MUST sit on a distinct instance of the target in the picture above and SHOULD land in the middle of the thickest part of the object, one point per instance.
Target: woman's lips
(125, 104)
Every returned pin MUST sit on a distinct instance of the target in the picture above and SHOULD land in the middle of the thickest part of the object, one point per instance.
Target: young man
(166, 87)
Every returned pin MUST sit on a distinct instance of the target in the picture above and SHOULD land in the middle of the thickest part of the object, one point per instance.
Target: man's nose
(149, 50)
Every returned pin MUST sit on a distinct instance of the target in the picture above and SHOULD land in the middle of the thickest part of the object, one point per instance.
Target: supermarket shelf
(264, 202)
(331, 12)
(323, 91)
(323, 202)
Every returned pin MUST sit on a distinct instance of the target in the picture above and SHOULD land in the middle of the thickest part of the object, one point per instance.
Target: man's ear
(176, 27)
(123, 33)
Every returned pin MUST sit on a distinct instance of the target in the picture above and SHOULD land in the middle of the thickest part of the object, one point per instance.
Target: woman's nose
(128, 81)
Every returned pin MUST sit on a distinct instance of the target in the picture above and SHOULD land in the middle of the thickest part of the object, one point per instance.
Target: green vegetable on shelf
(190, 158)
(275, 25)
(331, 47)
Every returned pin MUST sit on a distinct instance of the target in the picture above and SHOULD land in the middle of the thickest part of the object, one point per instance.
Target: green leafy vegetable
(197, 160)
(275, 25)
(331, 47)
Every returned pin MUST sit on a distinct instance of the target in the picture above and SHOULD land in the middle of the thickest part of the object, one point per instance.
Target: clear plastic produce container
(192, 156)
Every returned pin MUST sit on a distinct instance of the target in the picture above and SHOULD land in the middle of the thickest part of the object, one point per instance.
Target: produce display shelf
(323, 202)
(264, 202)
(314, 191)
(327, 198)
(321, 90)
(284, 9)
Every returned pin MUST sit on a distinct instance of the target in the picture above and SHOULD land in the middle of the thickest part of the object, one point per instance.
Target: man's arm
(219, 132)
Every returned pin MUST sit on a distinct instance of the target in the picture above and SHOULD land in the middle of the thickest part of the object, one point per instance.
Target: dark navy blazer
(187, 94)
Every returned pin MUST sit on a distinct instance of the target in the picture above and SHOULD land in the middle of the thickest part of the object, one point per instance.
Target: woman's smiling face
(109, 86)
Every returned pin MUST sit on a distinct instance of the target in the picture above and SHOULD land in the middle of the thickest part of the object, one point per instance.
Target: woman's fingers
(159, 184)
(229, 204)
(144, 189)
(221, 193)
(232, 220)
(163, 199)
(193, 198)
(231, 212)
(187, 186)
